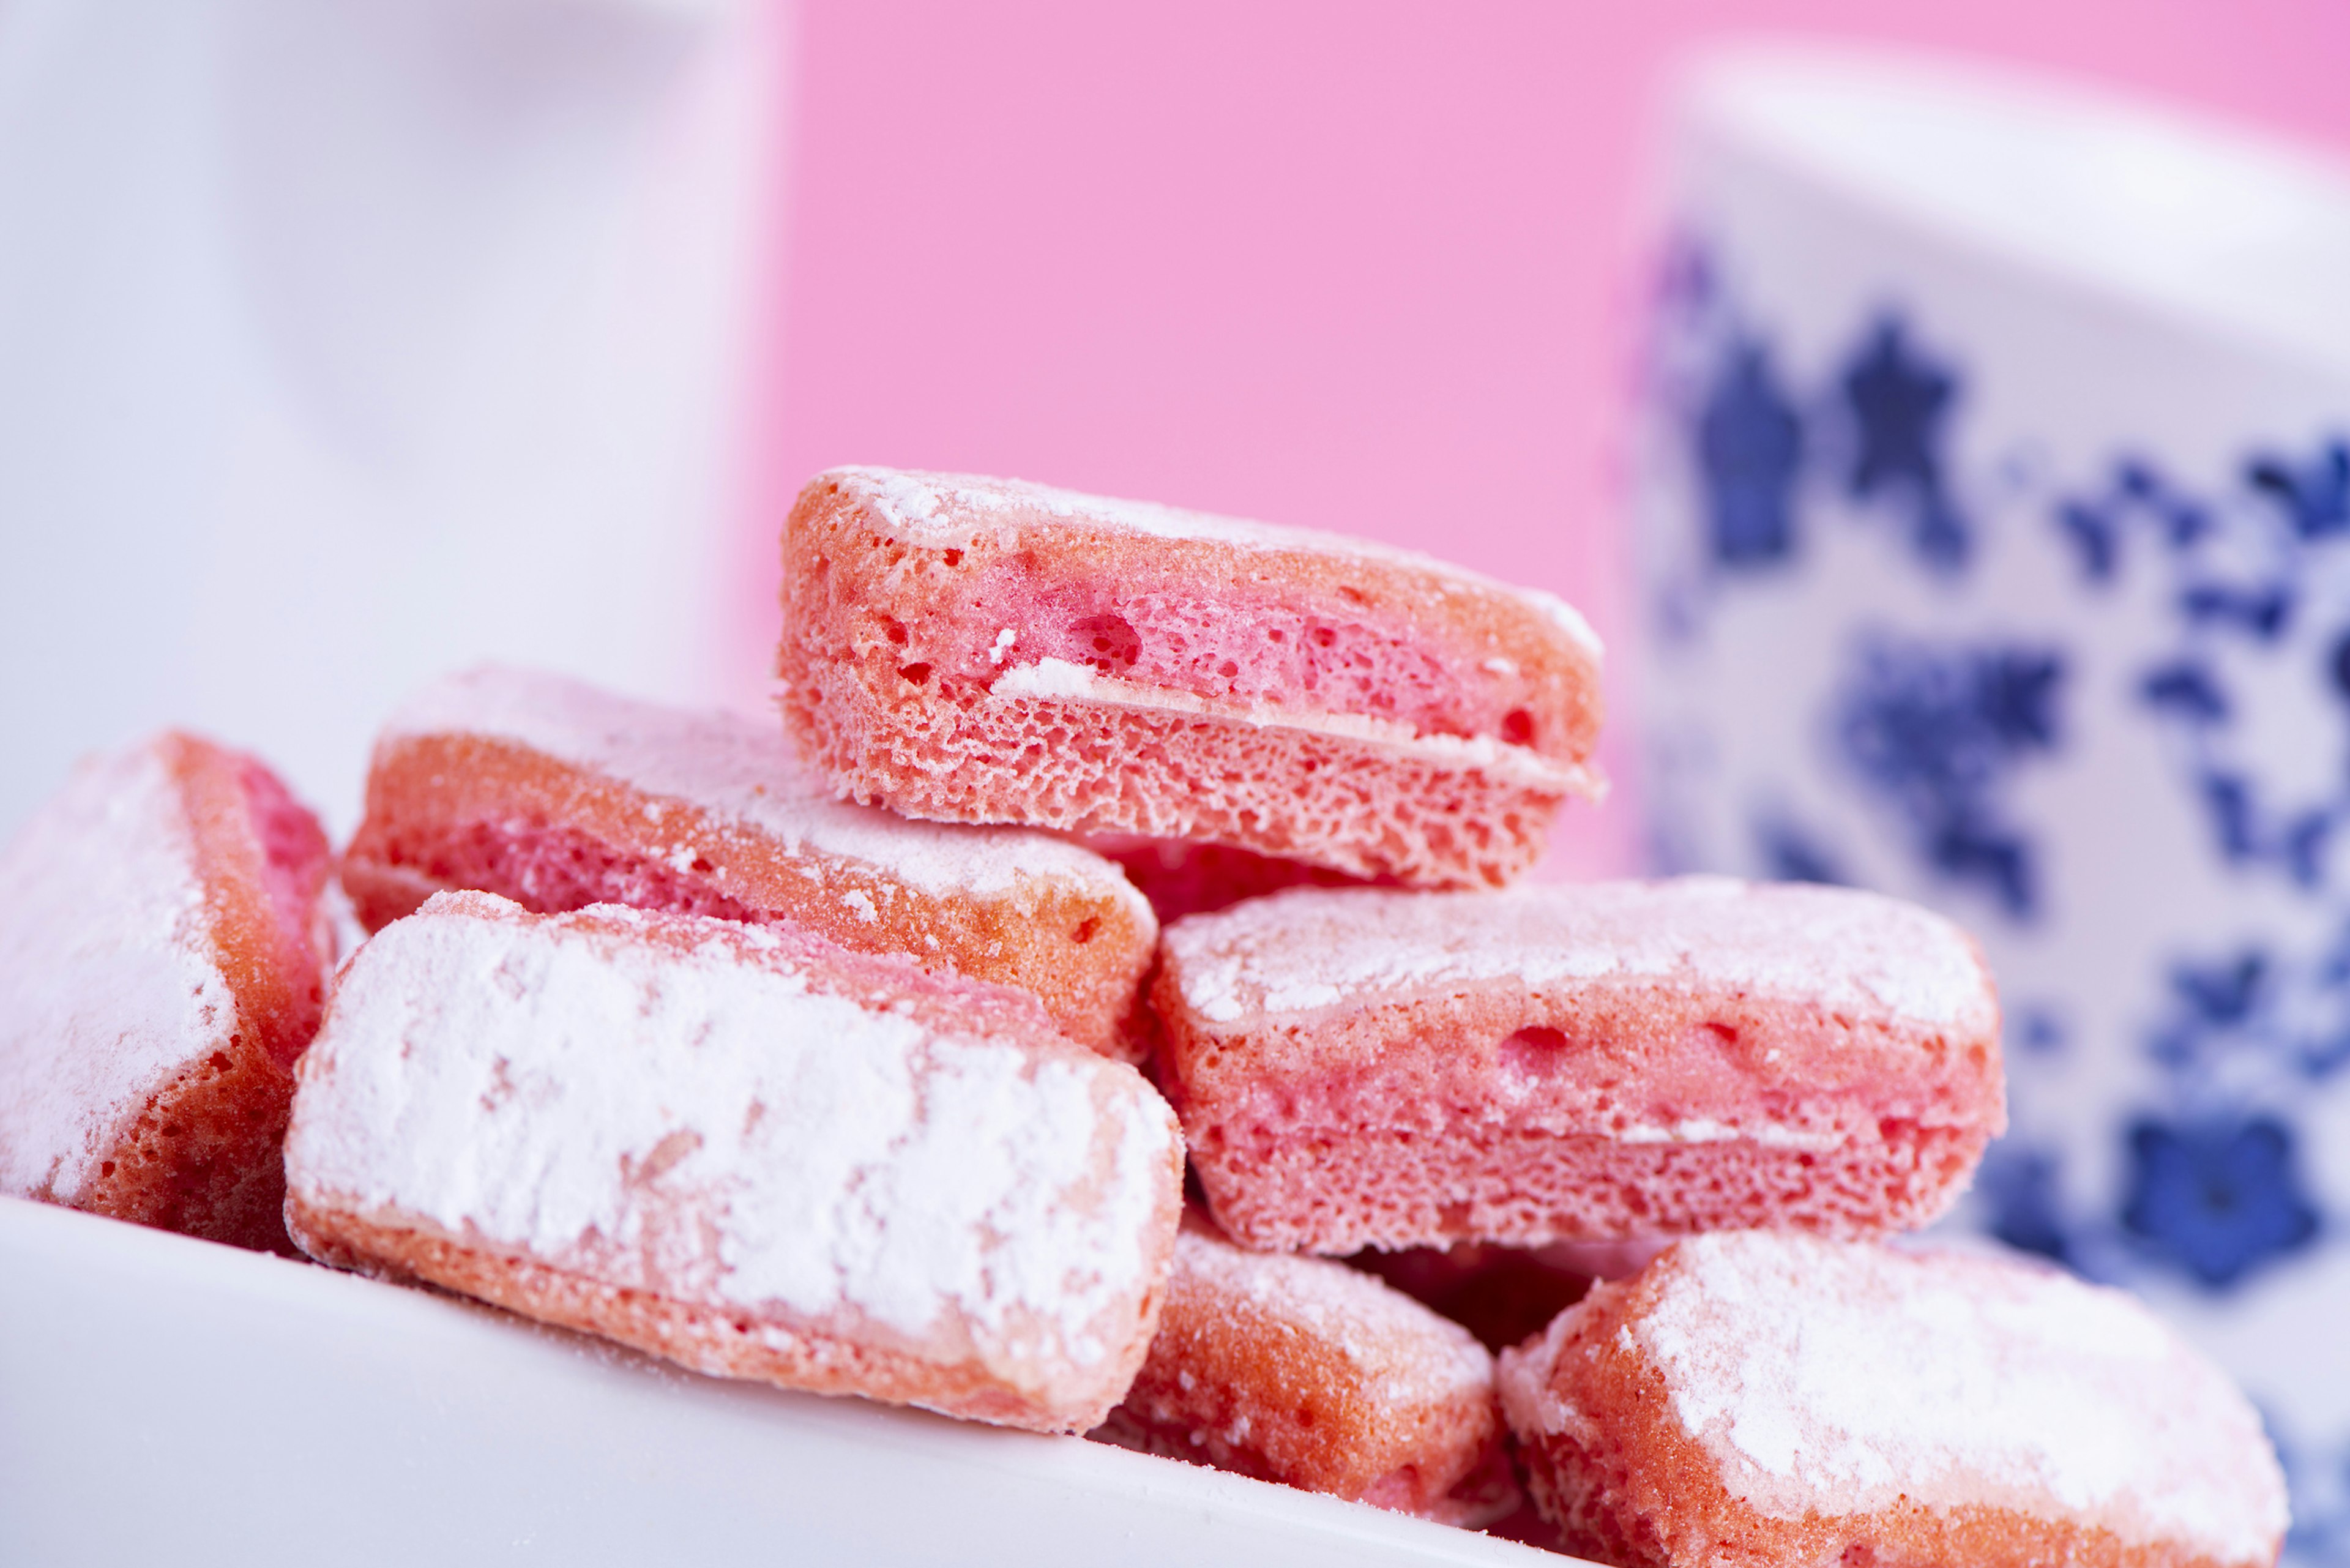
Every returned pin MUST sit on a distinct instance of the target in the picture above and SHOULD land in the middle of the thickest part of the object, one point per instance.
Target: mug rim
(2194, 215)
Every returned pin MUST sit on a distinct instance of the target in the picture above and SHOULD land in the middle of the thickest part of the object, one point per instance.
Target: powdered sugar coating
(1305, 1372)
(1362, 1067)
(1404, 1354)
(109, 979)
(696, 1109)
(1835, 1377)
(735, 767)
(937, 510)
(1306, 949)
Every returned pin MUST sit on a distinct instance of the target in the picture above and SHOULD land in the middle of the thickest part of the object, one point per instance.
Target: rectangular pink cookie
(1784, 1401)
(1309, 1373)
(163, 958)
(558, 795)
(745, 1149)
(984, 650)
(1366, 1068)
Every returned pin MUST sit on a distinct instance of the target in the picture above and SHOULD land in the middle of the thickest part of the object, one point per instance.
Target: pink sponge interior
(294, 853)
(295, 864)
(1236, 651)
(550, 869)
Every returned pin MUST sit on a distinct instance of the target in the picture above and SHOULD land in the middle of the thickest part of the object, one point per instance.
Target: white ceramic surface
(167, 1400)
(348, 344)
(1994, 497)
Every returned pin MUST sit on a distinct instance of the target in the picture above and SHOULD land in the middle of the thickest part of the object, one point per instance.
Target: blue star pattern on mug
(1750, 444)
(2213, 1189)
(1899, 401)
(2315, 497)
(2135, 494)
(2087, 693)
(1934, 732)
(1875, 427)
(2216, 1196)
(2253, 1023)
(2238, 568)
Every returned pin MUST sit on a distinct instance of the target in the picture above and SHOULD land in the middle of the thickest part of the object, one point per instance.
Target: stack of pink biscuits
(852, 1056)
(1787, 1076)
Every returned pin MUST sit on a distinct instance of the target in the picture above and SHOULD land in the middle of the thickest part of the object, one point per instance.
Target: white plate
(169, 1401)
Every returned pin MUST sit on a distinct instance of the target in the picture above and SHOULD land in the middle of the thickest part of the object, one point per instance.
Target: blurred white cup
(1994, 501)
(348, 342)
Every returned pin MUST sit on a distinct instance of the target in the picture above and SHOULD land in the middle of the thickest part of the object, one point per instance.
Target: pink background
(1359, 267)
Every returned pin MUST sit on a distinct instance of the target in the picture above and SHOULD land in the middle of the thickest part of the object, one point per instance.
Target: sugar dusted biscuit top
(1599, 1061)
(1304, 951)
(738, 768)
(1535, 654)
(947, 510)
(557, 794)
(1400, 1353)
(1308, 1371)
(1793, 1399)
(832, 1170)
(110, 970)
(162, 958)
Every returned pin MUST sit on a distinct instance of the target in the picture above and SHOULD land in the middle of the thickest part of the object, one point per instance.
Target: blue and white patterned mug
(1993, 500)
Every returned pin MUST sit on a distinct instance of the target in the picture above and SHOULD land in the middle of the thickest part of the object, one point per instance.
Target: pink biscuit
(559, 795)
(1364, 1068)
(163, 958)
(1789, 1402)
(745, 1149)
(1302, 1371)
(983, 650)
